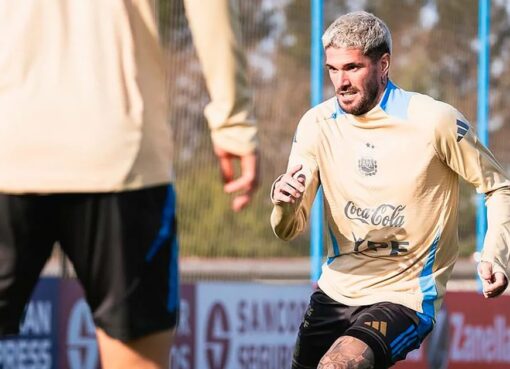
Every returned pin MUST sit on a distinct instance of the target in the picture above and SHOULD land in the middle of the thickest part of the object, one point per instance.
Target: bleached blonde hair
(359, 30)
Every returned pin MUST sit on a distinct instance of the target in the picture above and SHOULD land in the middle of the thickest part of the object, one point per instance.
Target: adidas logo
(462, 129)
(378, 326)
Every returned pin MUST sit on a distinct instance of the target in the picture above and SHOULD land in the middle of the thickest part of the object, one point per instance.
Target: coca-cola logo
(385, 215)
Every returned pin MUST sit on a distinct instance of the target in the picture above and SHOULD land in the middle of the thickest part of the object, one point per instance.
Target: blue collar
(383, 103)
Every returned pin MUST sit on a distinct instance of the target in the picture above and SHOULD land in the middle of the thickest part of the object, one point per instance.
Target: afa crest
(367, 165)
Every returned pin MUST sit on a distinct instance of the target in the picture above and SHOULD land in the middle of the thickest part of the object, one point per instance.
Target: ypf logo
(81, 338)
(217, 337)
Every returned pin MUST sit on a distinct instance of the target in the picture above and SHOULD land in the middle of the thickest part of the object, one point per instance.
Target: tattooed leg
(348, 353)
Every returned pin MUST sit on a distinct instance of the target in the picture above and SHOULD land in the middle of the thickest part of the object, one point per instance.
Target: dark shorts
(390, 330)
(122, 245)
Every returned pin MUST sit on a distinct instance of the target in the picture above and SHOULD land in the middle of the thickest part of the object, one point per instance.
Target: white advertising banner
(247, 325)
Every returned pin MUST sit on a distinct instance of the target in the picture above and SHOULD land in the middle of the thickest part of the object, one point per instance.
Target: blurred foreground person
(215, 27)
(389, 162)
(85, 160)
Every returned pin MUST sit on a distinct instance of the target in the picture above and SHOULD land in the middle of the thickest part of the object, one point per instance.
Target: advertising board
(239, 325)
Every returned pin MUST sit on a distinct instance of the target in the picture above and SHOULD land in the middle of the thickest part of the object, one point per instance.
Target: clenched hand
(494, 284)
(290, 187)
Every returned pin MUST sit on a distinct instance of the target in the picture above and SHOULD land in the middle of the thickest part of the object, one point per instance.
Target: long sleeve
(461, 150)
(288, 220)
(215, 29)
(497, 240)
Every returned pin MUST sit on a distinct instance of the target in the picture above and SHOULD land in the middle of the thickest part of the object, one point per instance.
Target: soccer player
(389, 162)
(85, 160)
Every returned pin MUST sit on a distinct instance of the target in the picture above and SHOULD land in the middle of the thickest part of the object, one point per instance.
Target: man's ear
(384, 63)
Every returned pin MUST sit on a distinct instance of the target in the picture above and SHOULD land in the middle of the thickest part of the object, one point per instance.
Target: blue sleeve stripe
(427, 282)
(463, 125)
(460, 134)
(461, 131)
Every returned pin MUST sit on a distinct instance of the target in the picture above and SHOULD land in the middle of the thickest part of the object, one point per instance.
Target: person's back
(84, 78)
(85, 160)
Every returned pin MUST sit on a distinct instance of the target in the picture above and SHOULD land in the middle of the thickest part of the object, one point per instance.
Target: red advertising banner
(472, 332)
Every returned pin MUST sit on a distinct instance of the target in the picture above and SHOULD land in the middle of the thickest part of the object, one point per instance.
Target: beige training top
(390, 180)
(83, 104)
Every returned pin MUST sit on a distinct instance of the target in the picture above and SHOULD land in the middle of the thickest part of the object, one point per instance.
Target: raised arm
(293, 192)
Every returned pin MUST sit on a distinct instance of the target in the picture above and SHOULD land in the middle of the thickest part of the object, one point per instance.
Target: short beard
(367, 101)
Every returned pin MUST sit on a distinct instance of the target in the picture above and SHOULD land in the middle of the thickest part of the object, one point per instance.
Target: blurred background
(434, 52)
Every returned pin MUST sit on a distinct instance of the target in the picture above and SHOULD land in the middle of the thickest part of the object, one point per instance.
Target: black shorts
(390, 330)
(122, 245)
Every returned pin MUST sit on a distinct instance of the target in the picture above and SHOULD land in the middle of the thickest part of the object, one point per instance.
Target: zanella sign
(385, 215)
